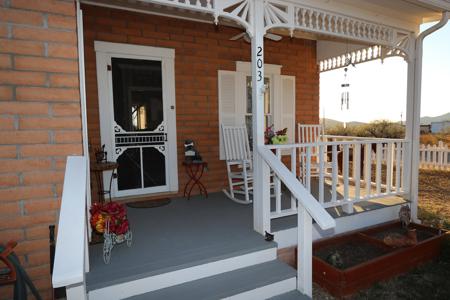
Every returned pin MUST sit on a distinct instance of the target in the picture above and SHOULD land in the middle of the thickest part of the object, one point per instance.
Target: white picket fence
(435, 156)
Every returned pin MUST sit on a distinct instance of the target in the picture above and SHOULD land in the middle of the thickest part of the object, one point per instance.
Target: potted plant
(275, 137)
(110, 219)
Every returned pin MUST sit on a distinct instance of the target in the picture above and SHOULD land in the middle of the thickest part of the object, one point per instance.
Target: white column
(412, 133)
(261, 178)
(76, 292)
(304, 252)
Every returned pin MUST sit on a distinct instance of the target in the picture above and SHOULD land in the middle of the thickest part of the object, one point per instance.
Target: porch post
(261, 179)
(413, 112)
(412, 126)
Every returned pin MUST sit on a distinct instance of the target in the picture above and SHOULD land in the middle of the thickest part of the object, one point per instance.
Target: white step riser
(148, 284)
(288, 237)
(267, 291)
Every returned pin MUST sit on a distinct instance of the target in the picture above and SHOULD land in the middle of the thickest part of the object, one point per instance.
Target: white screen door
(138, 120)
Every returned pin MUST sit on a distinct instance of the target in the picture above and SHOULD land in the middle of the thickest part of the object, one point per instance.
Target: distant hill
(330, 123)
(428, 120)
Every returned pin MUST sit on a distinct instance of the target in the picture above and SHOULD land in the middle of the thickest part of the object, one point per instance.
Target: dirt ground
(429, 281)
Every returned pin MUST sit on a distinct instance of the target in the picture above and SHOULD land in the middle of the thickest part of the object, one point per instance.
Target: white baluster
(357, 169)
(308, 168)
(367, 168)
(397, 167)
(378, 167)
(321, 173)
(334, 163)
(389, 166)
(277, 186)
(293, 171)
(348, 208)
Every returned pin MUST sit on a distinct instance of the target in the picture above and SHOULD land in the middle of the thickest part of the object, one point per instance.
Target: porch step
(260, 281)
(145, 278)
(292, 295)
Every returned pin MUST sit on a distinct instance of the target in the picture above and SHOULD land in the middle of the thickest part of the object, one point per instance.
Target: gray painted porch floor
(179, 235)
(190, 232)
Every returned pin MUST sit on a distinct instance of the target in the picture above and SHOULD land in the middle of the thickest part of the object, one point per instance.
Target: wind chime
(345, 90)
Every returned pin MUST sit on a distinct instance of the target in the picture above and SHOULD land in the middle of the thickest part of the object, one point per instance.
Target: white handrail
(351, 137)
(69, 266)
(337, 143)
(304, 198)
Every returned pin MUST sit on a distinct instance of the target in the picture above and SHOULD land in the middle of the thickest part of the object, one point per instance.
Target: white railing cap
(70, 245)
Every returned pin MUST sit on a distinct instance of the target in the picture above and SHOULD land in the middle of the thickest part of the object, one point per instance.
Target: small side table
(195, 171)
(98, 169)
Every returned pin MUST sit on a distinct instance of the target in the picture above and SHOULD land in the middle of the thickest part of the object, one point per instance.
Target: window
(235, 100)
(268, 109)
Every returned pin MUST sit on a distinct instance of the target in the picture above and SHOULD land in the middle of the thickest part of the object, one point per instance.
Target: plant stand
(111, 239)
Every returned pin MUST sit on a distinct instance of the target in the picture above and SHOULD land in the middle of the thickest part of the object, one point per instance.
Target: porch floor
(179, 235)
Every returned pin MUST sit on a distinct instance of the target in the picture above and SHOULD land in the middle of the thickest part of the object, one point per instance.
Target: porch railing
(308, 209)
(435, 157)
(341, 173)
(71, 257)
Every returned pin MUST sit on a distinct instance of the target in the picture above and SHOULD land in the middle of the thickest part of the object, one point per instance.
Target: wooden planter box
(391, 261)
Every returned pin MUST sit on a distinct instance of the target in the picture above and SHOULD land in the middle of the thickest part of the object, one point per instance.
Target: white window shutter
(284, 105)
(228, 106)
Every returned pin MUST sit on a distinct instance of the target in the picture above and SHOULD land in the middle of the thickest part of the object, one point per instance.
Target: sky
(378, 90)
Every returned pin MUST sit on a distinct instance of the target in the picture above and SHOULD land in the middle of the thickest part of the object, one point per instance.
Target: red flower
(112, 212)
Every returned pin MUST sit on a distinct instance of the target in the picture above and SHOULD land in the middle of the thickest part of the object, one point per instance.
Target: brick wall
(39, 124)
(200, 51)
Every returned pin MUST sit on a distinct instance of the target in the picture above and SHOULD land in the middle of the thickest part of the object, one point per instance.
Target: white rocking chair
(239, 163)
(311, 134)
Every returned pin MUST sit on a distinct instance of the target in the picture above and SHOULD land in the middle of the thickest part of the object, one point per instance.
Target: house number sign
(259, 62)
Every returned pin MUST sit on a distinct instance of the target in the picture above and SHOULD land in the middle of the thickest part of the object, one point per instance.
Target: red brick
(34, 206)
(22, 78)
(41, 269)
(45, 64)
(6, 123)
(8, 151)
(56, 21)
(5, 61)
(22, 165)
(61, 80)
(29, 221)
(50, 123)
(23, 137)
(36, 232)
(23, 193)
(63, 51)
(70, 137)
(51, 150)
(5, 93)
(23, 108)
(8, 235)
(44, 34)
(46, 94)
(8, 180)
(30, 246)
(3, 30)
(52, 6)
(9, 209)
(21, 47)
(42, 177)
(20, 16)
(110, 37)
(66, 109)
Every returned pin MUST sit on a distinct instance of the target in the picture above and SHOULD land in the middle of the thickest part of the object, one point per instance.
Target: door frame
(104, 52)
